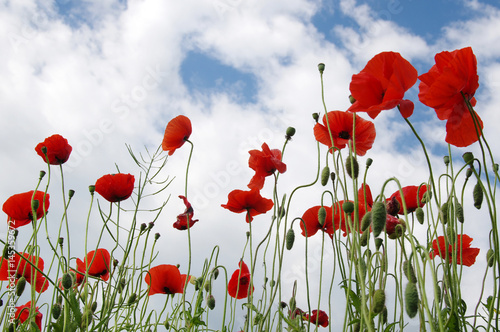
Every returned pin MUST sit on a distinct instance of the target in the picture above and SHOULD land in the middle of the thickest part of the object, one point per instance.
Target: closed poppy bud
(478, 195)
(384, 315)
(315, 116)
(459, 211)
(363, 241)
(366, 221)
(21, 284)
(378, 243)
(378, 301)
(325, 174)
(348, 207)
(468, 157)
(67, 281)
(56, 311)
(419, 212)
(132, 299)
(290, 238)
(321, 67)
(321, 215)
(157, 236)
(446, 160)
(451, 234)
(490, 257)
(444, 212)
(216, 273)
(468, 173)
(332, 176)
(409, 272)
(143, 227)
(379, 217)
(211, 302)
(411, 299)
(121, 285)
(93, 307)
(352, 167)
(290, 131)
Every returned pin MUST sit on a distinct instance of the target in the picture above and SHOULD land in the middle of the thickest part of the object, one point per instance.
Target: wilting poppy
(19, 208)
(23, 313)
(251, 202)
(465, 254)
(320, 318)
(98, 264)
(177, 132)
(239, 285)
(444, 87)
(17, 266)
(341, 128)
(165, 279)
(311, 220)
(394, 227)
(381, 85)
(412, 200)
(58, 149)
(182, 219)
(115, 187)
(264, 163)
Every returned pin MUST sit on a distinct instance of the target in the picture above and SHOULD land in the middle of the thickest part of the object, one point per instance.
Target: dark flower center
(344, 134)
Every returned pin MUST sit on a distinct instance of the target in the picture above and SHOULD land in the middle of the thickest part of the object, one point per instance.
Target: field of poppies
(392, 277)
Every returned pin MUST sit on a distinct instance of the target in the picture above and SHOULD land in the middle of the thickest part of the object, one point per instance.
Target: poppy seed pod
(91, 189)
(379, 216)
(71, 193)
(290, 131)
(351, 99)
(157, 236)
(468, 157)
(42, 174)
(321, 215)
(446, 160)
(478, 195)
(369, 162)
(352, 167)
(411, 299)
(315, 116)
(321, 67)
(35, 204)
(378, 301)
(290, 238)
(325, 174)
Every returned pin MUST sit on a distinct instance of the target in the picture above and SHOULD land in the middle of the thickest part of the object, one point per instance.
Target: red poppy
(239, 285)
(264, 163)
(318, 317)
(453, 78)
(365, 192)
(411, 199)
(98, 264)
(115, 187)
(165, 279)
(182, 219)
(382, 84)
(23, 313)
(17, 266)
(312, 225)
(19, 209)
(250, 202)
(394, 227)
(58, 149)
(465, 254)
(340, 124)
(177, 132)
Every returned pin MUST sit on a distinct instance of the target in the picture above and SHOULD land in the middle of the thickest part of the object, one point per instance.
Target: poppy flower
(318, 317)
(444, 87)
(19, 208)
(58, 149)
(165, 279)
(17, 266)
(365, 192)
(98, 264)
(410, 197)
(311, 222)
(381, 85)
(250, 202)
(23, 313)
(264, 163)
(115, 187)
(239, 285)
(465, 254)
(340, 124)
(177, 132)
(182, 219)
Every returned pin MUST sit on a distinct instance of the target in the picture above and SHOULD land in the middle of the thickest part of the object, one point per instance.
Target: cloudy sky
(112, 72)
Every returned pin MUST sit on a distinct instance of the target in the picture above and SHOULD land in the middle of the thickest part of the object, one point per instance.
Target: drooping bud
(468, 157)
(211, 302)
(290, 238)
(409, 272)
(325, 174)
(132, 299)
(348, 207)
(67, 281)
(478, 195)
(490, 257)
(411, 299)
(379, 217)
(56, 310)
(215, 273)
(468, 173)
(459, 211)
(393, 207)
(378, 301)
(21, 284)
(321, 215)
(363, 241)
(366, 221)
(419, 212)
(321, 68)
(352, 167)
(290, 131)
(378, 243)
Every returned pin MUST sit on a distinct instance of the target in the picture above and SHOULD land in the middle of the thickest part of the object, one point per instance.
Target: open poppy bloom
(381, 85)
(444, 87)
(19, 208)
(465, 254)
(23, 313)
(58, 149)
(412, 196)
(341, 128)
(319, 318)
(165, 279)
(182, 219)
(98, 264)
(239, 285)
(311, 221)
(177, 132)
(264, 163)
(18, 267)
(251, 202)
(115, 187)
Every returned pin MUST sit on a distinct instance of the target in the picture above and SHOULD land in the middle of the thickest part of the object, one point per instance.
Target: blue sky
(105, 73)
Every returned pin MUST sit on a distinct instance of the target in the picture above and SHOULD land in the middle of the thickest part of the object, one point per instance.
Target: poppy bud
(444, 212)
(468, 172)
(332, 176)
(67, 281)
(379, 217)
(459, 211)
(42, 174)
(215, 273)
(290, 131)
(419, 212)
(211, 302)
(21, 284)
(366, 221)
(315, 116)
(208, 287)
(356, 327)
(446, 160)
(157, 236)
(439, 294)
(378, 301)
(167, 325)
(281, 211)
(348, 207)
(351, 99)
(151, 224)
(121, 285)
(378, 243)
(369, 162)
(115, 263)
(495, 168)
(478, 195)
(490, 257)
(56, 311)
(290, 238)
(71, 193)
(409, 272)
(321, 67)
(384, 315)
(91, 189)
(272, 283)
(411, 299)
(143, 227)
(352, 167)
(363, 241)
(325, 174)
(321, 215)
(362, 268)
(468, 157)
(132, 299)
(94, 306)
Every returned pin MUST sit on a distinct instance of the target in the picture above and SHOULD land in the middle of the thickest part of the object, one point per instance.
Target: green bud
(379, 216)
(451, 235)
(71, 193)
(446, 160)
(290, 131)
(94, 306)
(419, 212)
(42, 174)
(366, 221)
(91, 189)
(478, 195)
(468, 157)
(215, 273)
(352, 167)
(378, 243)
(369, 162)
(378, 301)
(411, 299)
(132, 299)
(409, 272)
(321, 215)
(490, 257)
(211, 302)
(56, 311)
(348, 207)
(157, 236)
(363, 241)
(468, 172)
(459, 211)
(444, 212)
(21, 284)
(67, 281)
(495, 168)
(325, 174)
(290, 238)
(321, 67)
